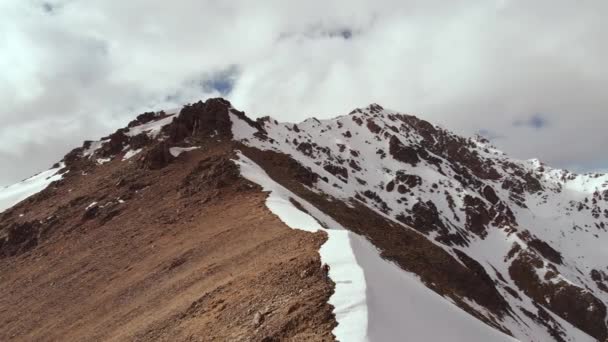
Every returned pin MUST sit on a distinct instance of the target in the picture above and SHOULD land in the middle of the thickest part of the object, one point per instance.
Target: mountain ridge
(514, 244)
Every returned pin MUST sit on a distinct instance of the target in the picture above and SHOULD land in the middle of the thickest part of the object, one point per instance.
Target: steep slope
(516, 244)
(163, 231)
(137, 250)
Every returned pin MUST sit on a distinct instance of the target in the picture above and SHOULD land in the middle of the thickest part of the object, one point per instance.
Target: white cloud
(75, 70)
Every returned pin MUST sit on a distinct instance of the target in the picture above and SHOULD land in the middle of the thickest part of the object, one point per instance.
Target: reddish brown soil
(185, 258)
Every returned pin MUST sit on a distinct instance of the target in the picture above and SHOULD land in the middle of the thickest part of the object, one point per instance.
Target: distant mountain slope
(430, 236)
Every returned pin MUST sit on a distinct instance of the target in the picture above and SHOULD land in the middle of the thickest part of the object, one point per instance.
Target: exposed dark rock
(402, 153)
(139, 141)
(477, 215)
(490, 194)
(145, 118)
(305, 148)
(354, 165)
(212, 173)
(90, 212)
(157, 157)
(115, 145)
(373, 127)
(338, 171)
(410, 180)
(575, 304)
(425, 218)
(546, 250)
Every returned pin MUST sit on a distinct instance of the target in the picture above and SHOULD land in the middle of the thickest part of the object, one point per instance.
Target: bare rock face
(490, 194)
(139, 141)
(478, 216)
(144, 118)
(570, 302)
(336, 170)
(201, 118)
(117, 141)
(158, 157)
(402, 153)
(211, 173)
(425, 218)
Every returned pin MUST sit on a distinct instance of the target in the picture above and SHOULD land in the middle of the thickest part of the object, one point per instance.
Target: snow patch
(131, 153)
(95, 145)
(13, 194)
(151, 128)
(176, 151)
(349, 297)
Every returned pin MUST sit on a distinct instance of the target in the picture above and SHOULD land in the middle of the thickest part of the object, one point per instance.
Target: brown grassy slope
(185, 258)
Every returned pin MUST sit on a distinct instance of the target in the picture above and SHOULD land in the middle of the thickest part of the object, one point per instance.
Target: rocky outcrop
(570, 302)
(19, 238)
(157, 157)
(402, 153)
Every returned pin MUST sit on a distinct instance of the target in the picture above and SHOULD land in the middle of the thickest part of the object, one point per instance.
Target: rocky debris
(19, 238)
(211, 173)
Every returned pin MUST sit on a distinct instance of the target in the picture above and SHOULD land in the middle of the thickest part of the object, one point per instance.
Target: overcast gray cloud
(531, 75)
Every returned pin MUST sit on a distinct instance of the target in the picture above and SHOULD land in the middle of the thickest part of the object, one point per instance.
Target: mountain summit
(202, 224)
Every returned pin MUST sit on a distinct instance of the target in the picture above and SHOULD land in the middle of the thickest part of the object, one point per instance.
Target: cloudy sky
(530, 75)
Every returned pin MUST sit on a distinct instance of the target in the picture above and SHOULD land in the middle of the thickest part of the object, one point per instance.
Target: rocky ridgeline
(514, 243)
(471, 200)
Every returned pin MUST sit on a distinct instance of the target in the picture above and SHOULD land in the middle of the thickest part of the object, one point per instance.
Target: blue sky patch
(536, 121)
(222, 81)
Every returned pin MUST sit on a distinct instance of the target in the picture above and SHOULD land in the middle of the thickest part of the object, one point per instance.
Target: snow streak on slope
(349, 297)
(13, 194)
